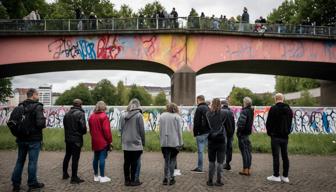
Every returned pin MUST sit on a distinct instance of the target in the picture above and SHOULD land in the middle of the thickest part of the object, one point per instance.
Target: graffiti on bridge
(305, 120)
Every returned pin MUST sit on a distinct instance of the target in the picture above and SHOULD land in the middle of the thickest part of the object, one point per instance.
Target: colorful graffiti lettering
(306, 120)
(108, 48)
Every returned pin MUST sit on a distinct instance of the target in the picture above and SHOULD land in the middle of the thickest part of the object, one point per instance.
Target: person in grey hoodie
(171, 140)
(133, 140)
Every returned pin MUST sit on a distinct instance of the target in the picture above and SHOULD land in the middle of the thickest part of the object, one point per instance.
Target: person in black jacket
(219, 124)
(278, 125)
(31, 144)
(230, 134)
(244, 129)
(74, 129)
(201, 131)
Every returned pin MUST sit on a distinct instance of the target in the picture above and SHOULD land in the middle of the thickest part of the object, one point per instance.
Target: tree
(140, 93)
(105, 91)
(78, 92)
(160, 99)
(286, 13)
(19, 8)
(125, 11)
(151, 9)
(286, 84)
(306, 100)
(193, 13)
(237, 95)
(3, 12)
(122, 94)
(5, 89)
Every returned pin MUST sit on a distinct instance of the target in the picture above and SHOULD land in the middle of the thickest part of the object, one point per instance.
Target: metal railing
(181, 23)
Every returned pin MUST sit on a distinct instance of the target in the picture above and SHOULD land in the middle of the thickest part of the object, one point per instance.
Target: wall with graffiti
(306, 120)
(171, 50)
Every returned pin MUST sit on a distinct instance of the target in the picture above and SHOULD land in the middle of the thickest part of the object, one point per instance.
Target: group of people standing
(214, 127)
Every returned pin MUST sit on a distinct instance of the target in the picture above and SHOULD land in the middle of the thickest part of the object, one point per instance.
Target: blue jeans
(99, 156)
(202, 141)
(137, 172)
(32, 148)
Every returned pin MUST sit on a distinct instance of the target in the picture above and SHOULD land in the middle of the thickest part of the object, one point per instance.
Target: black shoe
(36, 186)
(16, 189)
(165, 181)
(65, 176)
(219, 183)
(76, 180)
(172, 181)
(210, 183)
(136, 183)
(197, 170)
(127, 183)
(227, 167)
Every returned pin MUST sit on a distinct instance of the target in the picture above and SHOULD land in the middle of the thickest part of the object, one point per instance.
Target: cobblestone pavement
(307, 173)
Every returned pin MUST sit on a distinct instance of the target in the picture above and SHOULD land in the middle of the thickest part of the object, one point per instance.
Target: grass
(309, 144)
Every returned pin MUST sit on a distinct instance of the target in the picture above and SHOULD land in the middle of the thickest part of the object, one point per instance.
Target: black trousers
(216, 152)
(130, 164)
(72, 150)
(245, 148)
(229, 150)
(277, 145)
(169, 155)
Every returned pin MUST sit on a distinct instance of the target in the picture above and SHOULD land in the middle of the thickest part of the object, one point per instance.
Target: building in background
(45, 94)
(154, 91)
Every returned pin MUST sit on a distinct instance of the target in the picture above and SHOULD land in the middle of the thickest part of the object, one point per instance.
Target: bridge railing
(181, 23)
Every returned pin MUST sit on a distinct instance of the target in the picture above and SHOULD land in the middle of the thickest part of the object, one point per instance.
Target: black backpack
(17, 121)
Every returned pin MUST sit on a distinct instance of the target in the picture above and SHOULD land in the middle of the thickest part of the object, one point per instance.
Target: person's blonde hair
(247, 101)
(215, 105)
(100, 106)
(279, 97)
(172, 108)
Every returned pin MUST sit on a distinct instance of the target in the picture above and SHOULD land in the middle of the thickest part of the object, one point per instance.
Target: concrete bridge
(180, 53)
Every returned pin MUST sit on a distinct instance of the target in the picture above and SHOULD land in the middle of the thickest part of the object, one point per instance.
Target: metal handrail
(180, 23)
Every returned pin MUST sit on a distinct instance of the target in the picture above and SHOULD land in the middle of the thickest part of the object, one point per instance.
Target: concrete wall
(306, 120)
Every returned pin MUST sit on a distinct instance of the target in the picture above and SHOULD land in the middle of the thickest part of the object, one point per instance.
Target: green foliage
(286, 84)
(19, 8)
(5, 89)
(160, 99)
(295, 12)
(237, 95)
(305, 100)
(78, 92)
(140, 93)
(193, 13)
(151, 9)
(3, 12)
(125, 11)
(105, 91)
(308, 144)
(122, 94)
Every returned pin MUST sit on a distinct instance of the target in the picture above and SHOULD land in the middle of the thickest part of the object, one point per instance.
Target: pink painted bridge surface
(173, 51)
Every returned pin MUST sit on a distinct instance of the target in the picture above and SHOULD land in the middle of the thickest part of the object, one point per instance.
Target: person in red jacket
(101, 139)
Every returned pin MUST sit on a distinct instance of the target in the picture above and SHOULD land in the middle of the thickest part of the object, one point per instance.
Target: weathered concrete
(183, 86)
(328, 93)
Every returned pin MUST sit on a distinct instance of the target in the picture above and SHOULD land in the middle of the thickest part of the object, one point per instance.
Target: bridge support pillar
(328, 93)
(183, 86)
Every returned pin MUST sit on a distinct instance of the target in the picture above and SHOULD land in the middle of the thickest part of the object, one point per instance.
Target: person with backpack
(74, 129)
(244, 130)
(201, 131)
(278, 126)
(26, 123)
(219, 125)
(230, 134)
(133, 141)
(101, 140)
(171, 140)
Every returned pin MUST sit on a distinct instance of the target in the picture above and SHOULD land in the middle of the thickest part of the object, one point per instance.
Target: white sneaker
(177, 172)
(96, 178)
(284, 179)
(104, 179)
(273, 178)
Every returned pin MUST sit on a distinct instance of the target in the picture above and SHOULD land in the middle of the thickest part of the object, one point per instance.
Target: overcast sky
(211, 85)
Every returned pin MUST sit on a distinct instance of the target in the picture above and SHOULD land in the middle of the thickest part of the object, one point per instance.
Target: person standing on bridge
(244, 129)
(171, 140)
(133, 141)
(230, 134)
(31, 143)
(74, 128)
(174, 15)
(278, 125)
(201, 130)
(101, 139)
